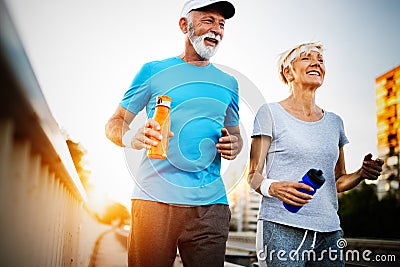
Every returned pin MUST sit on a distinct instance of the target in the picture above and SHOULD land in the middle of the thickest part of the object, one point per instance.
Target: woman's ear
(183, 24)
(287, 72)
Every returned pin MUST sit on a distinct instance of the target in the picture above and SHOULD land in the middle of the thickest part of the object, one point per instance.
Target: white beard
(203, 50)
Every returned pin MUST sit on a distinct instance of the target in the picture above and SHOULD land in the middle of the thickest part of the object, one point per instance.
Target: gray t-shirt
(296, 147)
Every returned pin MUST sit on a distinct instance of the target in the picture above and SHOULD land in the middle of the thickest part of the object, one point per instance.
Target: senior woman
(289, 138)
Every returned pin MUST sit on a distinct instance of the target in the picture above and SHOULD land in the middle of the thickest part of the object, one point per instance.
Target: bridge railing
(43, 217)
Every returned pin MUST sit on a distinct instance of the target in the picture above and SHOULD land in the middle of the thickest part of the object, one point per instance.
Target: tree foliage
(78, 153)
(363, 215)
(115, 212)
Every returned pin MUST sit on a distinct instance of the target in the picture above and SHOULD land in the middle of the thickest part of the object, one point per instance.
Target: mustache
(211, 35)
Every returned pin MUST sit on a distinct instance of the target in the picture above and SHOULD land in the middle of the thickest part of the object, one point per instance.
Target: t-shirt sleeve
(342, 138)
(139, 92)
(263, 122)
(232, 113)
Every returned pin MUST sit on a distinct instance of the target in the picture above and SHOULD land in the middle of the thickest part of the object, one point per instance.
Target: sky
(85, 54)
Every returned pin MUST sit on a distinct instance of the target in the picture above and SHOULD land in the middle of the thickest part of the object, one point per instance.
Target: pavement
(111, 251)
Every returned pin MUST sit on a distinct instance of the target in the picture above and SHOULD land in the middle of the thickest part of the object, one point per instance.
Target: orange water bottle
(161, 115)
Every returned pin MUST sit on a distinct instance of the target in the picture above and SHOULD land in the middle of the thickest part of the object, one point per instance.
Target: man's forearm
(115, 129)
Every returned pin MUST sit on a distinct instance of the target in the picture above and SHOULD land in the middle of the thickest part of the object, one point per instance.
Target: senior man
(181, 202)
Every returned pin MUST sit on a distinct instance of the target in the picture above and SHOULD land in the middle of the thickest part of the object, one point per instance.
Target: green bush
(363, 215)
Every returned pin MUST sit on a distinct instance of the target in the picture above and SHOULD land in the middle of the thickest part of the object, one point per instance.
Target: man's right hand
(147, 136)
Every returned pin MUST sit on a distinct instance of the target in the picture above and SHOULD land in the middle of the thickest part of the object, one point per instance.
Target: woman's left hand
(371, 169)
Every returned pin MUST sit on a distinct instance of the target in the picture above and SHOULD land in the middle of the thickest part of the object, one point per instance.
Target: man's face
(205, 31)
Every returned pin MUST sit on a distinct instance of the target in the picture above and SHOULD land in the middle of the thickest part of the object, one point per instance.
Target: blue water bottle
(313, 178)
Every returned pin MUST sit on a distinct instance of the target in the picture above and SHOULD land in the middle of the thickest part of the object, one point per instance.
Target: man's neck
(190, 56)
(194, 60)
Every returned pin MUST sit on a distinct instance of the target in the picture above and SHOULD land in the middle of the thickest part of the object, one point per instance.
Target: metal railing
(43, 217)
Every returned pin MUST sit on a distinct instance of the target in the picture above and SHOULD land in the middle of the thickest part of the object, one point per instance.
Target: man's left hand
(228, 145)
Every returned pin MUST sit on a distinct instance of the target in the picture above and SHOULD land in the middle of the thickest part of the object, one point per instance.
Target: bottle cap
(316, 176)
(163, 100)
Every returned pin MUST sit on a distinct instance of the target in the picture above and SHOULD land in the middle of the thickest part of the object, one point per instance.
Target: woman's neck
(302, 105)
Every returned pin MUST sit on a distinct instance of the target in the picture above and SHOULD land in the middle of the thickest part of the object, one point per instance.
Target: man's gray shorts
(158, 229)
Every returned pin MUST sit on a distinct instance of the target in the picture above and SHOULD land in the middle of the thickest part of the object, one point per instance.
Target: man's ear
(183, 24)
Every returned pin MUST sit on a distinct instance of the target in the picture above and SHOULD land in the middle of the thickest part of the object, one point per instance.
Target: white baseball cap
(227, 8)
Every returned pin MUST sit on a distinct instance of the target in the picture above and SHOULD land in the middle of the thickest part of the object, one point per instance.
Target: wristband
(127, 138)
(265, 185)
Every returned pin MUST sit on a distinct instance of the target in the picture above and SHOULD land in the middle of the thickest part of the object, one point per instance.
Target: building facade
(387, 91)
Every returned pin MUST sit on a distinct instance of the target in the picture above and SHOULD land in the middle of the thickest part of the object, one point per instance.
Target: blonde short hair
(286, 58)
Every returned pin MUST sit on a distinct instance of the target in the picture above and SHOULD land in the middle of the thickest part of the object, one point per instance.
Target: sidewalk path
(109, 251)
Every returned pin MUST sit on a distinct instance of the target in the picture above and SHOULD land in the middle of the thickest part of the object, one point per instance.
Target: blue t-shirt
(204, 100)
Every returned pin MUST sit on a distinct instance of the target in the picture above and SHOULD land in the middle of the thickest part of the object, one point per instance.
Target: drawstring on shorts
(314, 240)
(304, 239)
(302, 242)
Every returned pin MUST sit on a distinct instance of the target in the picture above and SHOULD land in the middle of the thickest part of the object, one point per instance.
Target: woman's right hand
(288, 192)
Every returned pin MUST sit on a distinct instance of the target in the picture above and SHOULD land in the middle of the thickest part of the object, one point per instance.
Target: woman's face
(309, 69)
